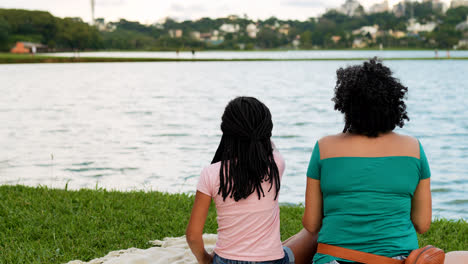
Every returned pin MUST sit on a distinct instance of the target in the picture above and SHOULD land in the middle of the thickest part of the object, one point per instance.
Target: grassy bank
(8, 58)
(41, 225)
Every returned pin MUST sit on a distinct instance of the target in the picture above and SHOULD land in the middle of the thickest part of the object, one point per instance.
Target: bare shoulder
(329, 145)
(349, 145)
(331, 139)
(407, 145)
(405, 138)
(325, 141)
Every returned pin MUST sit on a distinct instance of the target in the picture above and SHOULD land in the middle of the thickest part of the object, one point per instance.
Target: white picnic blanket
(170, 250)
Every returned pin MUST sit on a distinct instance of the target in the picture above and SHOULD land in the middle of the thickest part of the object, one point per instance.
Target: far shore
(8, 58)
(44, 225)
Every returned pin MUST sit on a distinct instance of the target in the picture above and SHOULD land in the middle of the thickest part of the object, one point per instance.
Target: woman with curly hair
(368, 188)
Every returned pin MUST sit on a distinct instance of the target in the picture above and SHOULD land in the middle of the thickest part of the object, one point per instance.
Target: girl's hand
(208, 258)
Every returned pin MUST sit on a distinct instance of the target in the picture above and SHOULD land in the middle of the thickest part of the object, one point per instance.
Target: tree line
(74, 34)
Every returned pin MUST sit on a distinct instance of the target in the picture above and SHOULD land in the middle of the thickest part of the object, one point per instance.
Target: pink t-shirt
(248, 230)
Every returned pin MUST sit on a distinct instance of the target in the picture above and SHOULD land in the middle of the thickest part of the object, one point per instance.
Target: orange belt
(355, 255)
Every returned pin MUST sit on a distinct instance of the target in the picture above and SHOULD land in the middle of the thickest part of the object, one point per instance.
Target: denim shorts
(287, 259)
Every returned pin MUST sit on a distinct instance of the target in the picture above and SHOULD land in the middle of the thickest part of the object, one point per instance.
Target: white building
(252, 30)
(175, 33)
(229, 28)
(359, 43)
(274, 26)
(296, 42)
(462, 43)
(379, 7)
(397, 33)
(416, 27)
(463, 25)
(371, 30)
(284, 29)
(195, 35)
(215, 36)
(457, 3)
(350, 8)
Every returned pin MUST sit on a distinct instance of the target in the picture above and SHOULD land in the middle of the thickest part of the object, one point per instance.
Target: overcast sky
(150, 11)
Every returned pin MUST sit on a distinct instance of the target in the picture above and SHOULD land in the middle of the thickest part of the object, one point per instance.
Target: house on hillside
(397, 33)
(463, 25)
(284, 29)
(252, 30)
(176, 33)
(212, 38)
(416, 27)
(359, 43)
(296, 42)
(195, 35)
(229, 28)
(205, 36)
(28, 47)
(367, 30)
(335, 39)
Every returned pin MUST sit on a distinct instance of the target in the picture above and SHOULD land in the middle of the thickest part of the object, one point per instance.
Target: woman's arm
(421, 206)
(194, 233)
(312, 219)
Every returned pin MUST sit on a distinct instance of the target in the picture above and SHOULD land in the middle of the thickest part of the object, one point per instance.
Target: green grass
(42, 225)
(8, 58)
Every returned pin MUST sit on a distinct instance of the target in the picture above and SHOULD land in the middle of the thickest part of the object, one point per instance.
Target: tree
(4, 34)
(267, 38)
(456, 15)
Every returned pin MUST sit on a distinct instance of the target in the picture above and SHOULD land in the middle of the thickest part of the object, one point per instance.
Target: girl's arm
(421, 206)
(312, 219)
(194, 233)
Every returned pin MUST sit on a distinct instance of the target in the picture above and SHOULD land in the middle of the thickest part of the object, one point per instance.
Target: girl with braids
(244, 180)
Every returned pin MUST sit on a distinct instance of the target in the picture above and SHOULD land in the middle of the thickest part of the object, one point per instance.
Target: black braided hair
(245, 150)
(370, 98)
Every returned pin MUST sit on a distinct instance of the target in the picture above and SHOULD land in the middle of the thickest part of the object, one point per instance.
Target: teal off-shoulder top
(367, 202)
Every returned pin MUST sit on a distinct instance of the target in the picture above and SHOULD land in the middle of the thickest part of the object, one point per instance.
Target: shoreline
(45, 225)
(6, 58)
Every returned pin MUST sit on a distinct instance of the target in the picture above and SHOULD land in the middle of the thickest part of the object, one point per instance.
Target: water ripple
(125, 134)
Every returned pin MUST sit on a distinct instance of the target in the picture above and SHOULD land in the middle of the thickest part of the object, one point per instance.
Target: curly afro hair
(370, 99)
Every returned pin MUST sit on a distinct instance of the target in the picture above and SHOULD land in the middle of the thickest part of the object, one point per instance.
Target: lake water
(154, 126)
(292, 54)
